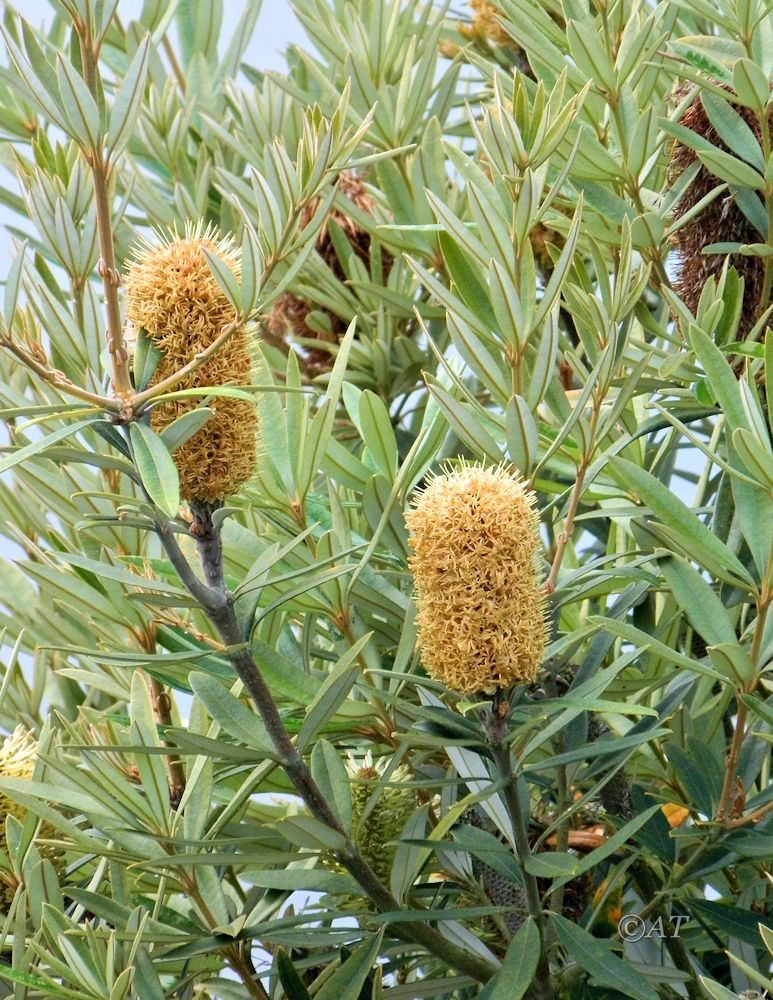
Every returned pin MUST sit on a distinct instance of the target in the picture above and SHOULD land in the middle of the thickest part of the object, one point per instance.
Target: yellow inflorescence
(481, 609)
(17, 760)
(486, 20)
(172, 294)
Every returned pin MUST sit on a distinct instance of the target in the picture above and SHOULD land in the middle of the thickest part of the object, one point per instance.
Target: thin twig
(137, 399)
(106, 266)
(56, 378)
(162, 709)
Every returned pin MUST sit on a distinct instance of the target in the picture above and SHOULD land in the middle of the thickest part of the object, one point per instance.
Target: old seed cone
(289, 315)
(481, 609)
(721, 221)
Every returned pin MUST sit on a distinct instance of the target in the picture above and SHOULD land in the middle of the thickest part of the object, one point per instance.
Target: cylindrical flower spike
(481, 607)
(172, 295)
(375, 833)
(18, 754)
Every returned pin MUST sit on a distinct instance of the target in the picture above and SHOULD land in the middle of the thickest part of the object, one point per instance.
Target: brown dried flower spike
(721, 221)
(481, 608)
(172, 294)
(290, 313)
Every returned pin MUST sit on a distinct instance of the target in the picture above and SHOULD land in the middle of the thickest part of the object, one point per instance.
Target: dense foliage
(530, 240)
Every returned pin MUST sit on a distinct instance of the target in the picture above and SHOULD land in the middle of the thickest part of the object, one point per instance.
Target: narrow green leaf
(291, 982)
(757, 459)
(378, 434)
(697, 541)
(733, 130)
(716, 991)
(703, 608)
(128, 100)
(225, 278)
(347, 982)
(146, 359)
(182, 429)
(329, 772)
(12, 286)
(38, 447)
(156, 468)
(518, 968)
(236, 719)
(334, 691)
(552, 864)
(731, 169)
(81, 108)
(597, 959)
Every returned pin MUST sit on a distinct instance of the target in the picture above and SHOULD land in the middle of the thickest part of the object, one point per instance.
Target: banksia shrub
(291, 315)
(172, 295)
(721, 221)
(481, 609)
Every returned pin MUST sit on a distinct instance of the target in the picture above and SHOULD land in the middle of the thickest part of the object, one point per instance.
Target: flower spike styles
(481, 607)
(172, 295)
(18, 755)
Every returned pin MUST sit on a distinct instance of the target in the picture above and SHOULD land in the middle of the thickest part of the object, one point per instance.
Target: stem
(162, 709)
(495, 727)
(729, 785)
(106, 266)
(218, 605)
(241, 965)
(56, 378)
(566, 531)
(171, 55)
(562, 798)
(236, 959)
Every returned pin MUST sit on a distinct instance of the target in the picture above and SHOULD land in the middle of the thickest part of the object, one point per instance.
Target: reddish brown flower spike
(721, 221)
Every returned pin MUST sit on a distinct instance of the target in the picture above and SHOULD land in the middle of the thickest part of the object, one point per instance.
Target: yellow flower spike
(18, 755)
(172, 295)
(481, 606)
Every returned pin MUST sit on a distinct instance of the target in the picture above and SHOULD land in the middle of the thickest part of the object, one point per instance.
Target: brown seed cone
(486, 21)
(289, 314)
(481, 608)
(722, 221)
(172, 294)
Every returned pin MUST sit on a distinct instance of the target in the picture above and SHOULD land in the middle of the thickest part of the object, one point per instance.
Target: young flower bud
(486, 22)
(385, 821)
(481, 609)
(172, 295)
